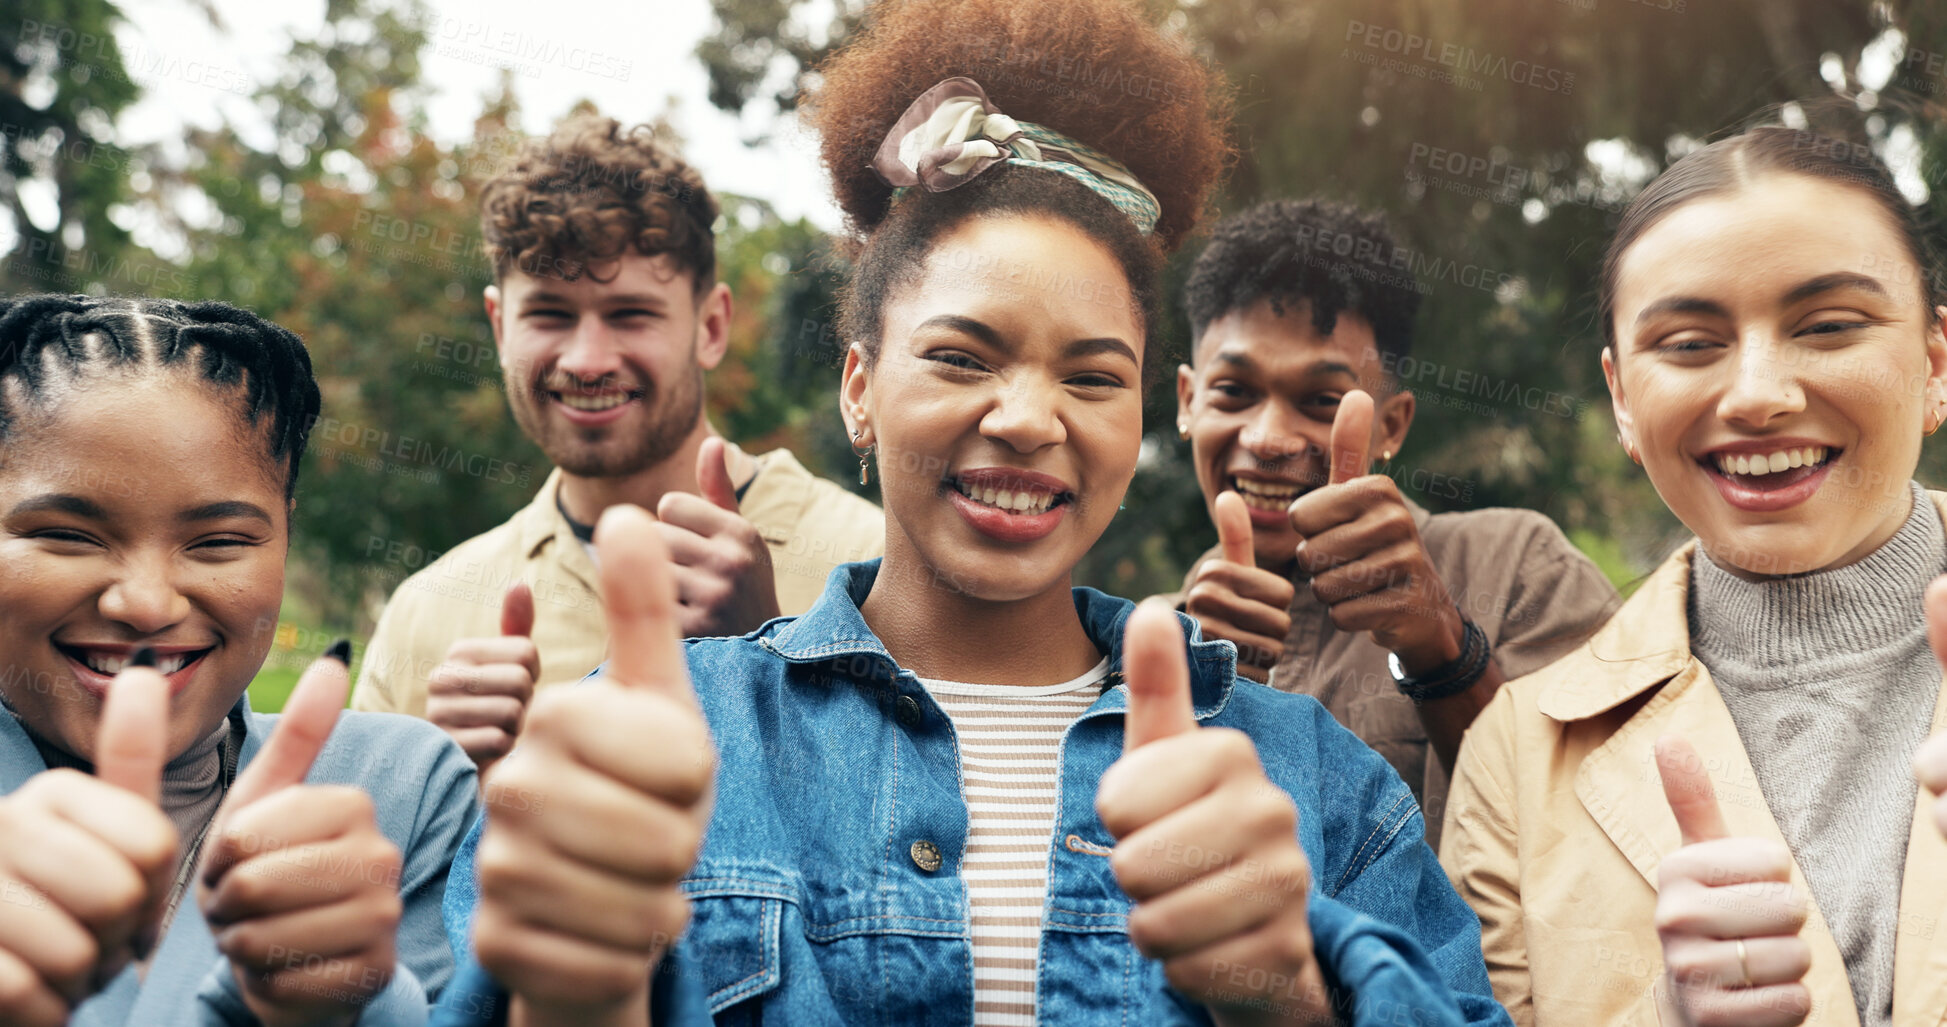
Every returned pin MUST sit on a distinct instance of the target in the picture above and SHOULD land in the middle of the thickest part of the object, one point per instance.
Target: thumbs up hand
(1234, 600)
(1930, 763)
(1207, 847)
(600, 811)
(1726, 910)
(86, 863)
(299, 886)
(724, 580)
(480, 692)
(1365, 557)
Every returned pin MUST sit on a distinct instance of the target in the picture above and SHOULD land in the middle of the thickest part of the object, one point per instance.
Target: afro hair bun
(1093, 70)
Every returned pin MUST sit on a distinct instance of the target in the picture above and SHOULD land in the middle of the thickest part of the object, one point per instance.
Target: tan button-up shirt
(1512, 572)
(1557, 826)
(811, 526)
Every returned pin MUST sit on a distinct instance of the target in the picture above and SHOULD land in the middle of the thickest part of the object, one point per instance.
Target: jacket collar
(1644, 645)
(834, 628)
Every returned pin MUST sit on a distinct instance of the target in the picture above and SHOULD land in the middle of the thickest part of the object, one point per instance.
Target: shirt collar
(834, 628)
(541, 520)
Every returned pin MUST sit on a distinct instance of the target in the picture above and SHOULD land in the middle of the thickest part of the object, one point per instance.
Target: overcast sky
(633, 59)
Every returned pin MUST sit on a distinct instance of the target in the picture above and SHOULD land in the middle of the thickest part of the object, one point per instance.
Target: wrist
(1437, 648)
(1447, 679)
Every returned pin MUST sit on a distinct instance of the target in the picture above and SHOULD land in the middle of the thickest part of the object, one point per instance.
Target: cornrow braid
(45, 337)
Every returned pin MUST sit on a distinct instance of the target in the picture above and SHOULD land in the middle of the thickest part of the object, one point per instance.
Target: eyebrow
(1833, 282)
(1242, 358)
(625, 299)
(60, 502)
(986, 333)
(1680, 305)
(227, 508)
(1798, 294)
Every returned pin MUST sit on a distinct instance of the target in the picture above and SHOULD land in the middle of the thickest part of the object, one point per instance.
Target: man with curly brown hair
(607, 311)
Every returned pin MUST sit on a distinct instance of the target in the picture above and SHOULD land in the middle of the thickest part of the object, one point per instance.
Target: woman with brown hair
(960, 789)
(1775, 353)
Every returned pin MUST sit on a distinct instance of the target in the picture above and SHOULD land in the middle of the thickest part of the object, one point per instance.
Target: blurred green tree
(1503, 136)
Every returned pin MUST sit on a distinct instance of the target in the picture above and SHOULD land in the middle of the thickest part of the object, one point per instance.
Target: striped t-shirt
(1010, 746)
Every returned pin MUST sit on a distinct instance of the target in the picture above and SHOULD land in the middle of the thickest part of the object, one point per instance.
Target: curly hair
(588, 193)
(47, 340)
(1332, 256)
(1092, 70)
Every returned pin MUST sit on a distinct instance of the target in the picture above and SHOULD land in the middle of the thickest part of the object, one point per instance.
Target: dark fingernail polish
(341, 651)
(143, 657)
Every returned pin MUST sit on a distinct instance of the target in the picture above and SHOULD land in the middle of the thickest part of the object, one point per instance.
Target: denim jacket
(811, 901)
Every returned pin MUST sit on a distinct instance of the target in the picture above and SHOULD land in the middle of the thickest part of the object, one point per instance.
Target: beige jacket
(1510, 571)
(810, 524)
(1556, 824)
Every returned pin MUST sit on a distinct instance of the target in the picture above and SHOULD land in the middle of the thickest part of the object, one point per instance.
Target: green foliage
(62, 82)
(1556, 113)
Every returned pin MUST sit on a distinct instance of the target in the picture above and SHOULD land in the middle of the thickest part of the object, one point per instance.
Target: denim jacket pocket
(735, 927)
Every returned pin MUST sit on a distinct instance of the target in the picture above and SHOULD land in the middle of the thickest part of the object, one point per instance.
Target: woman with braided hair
(959, 790)
(148, 471)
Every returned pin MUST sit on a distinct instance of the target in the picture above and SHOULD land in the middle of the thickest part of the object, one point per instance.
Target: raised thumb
(639, 600)
(1234, 529)
(517, 610)
(1351, 437)
(131, 742)
(1686, 786)
(1157, 673)
(301, 732)
(713, 474)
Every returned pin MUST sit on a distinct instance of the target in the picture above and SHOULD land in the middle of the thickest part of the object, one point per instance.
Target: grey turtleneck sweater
(1832, 686)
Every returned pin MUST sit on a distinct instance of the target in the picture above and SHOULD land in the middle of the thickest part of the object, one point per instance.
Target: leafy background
(357, 229)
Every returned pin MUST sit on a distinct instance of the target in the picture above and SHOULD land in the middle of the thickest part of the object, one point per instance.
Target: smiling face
(1259, 404)
(137, 511)
(607, 376)
(1775, 367)
(1006, 404)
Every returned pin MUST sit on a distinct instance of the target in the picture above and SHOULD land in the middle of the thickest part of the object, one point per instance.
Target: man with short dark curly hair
(1328, 579)
(607, 311)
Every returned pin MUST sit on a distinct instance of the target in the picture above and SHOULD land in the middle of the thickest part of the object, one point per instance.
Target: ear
(491, 297)
(855, 394)
(1394, 419)
(1186, 391)
(1625, 424)
(713, 326)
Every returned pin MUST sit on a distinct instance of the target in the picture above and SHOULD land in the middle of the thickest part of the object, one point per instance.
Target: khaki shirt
(811, 526)
(1557, 826)
(1512, 572)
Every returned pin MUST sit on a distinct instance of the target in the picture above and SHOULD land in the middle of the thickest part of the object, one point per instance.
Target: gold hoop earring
(864, 454)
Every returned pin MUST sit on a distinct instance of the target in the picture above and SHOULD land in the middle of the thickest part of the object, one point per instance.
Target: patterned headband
(952, 133)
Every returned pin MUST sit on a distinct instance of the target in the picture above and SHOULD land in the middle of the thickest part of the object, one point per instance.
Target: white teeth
(1771, 463)
(1022, 502)
(106, 664)
(1264, 495)
(603, 401)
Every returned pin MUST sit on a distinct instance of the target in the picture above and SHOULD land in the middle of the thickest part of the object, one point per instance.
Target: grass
(293, 649)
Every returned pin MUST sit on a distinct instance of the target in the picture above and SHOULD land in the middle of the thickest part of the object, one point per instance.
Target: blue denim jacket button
(926, 855)
(908, 710)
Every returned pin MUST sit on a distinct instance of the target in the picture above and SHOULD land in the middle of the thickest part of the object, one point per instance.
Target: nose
(1763, 387)
(1274, 435)
(1024, 414)
(145, 597)
(593, 350)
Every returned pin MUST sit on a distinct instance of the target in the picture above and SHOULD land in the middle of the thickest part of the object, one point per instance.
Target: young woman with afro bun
(959, 790)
